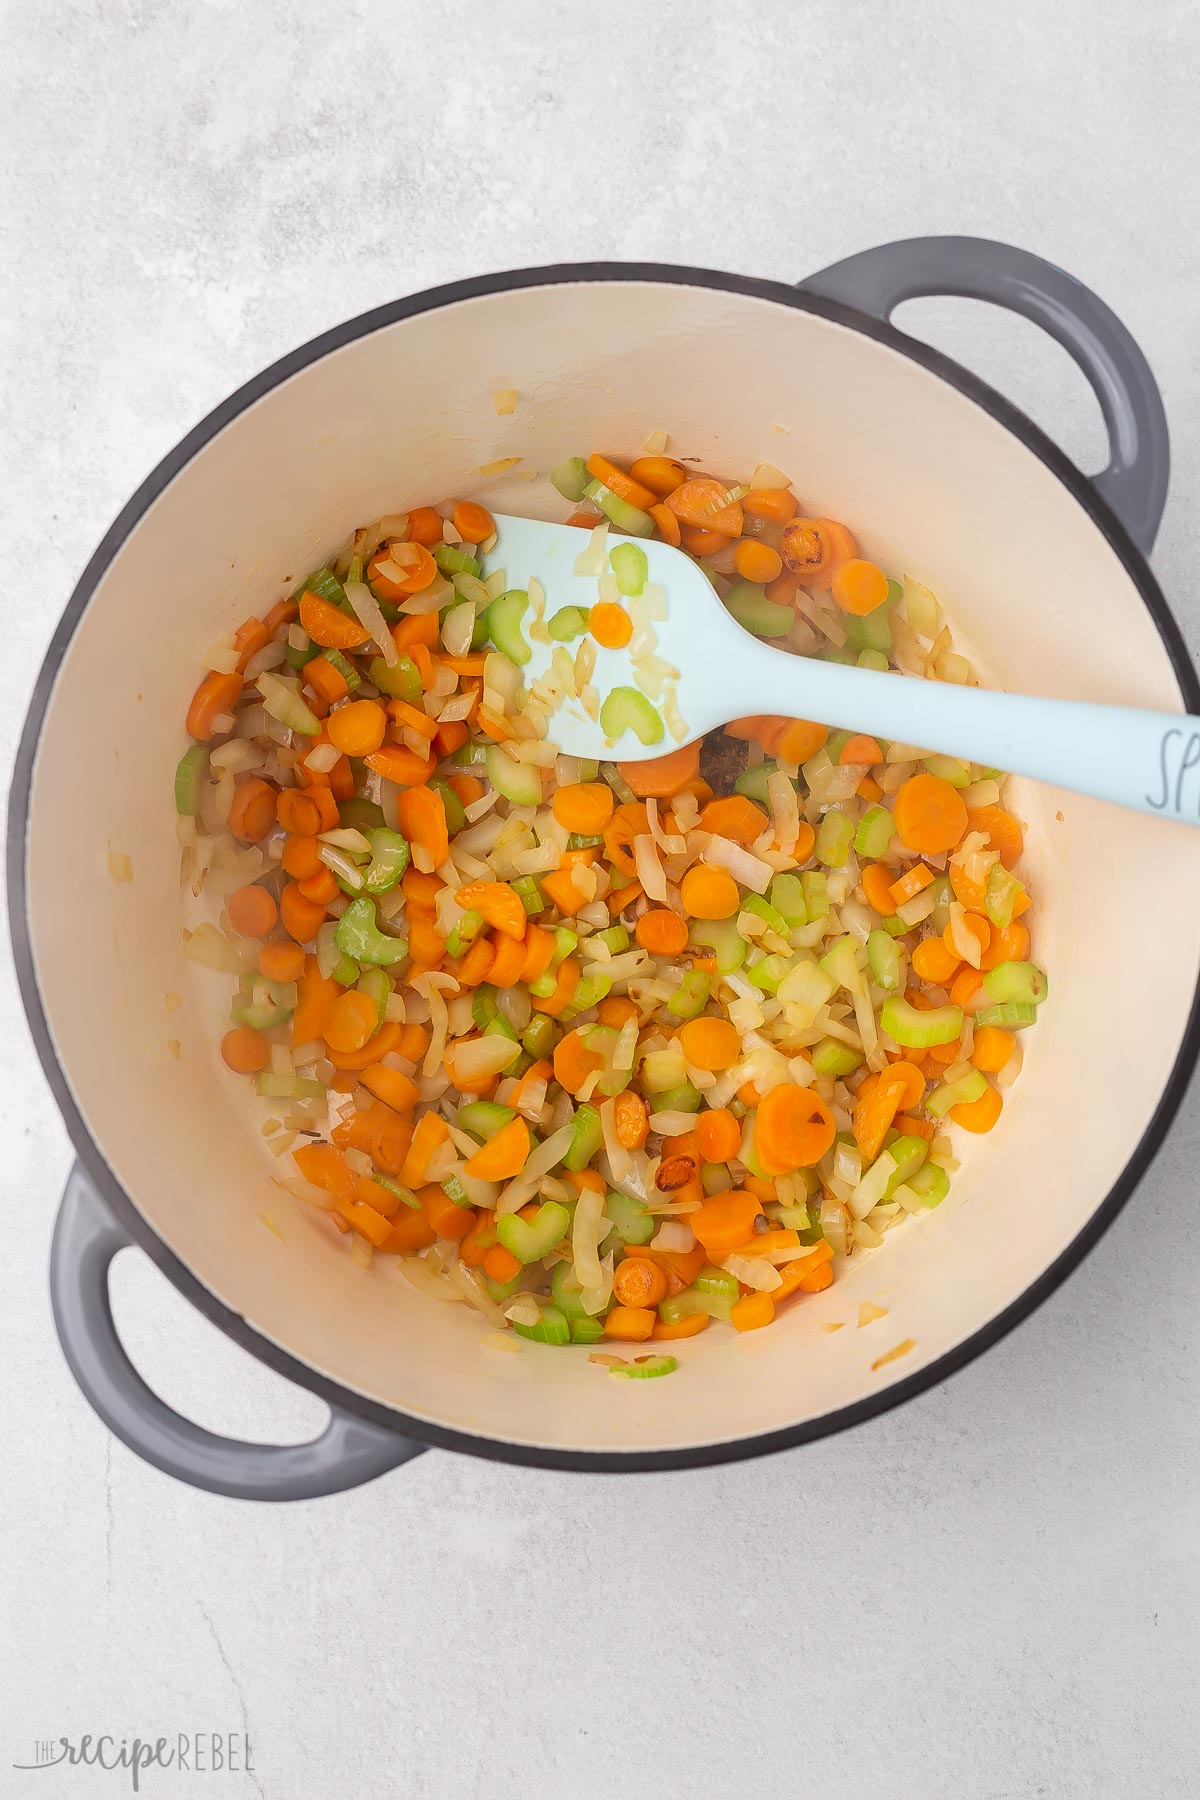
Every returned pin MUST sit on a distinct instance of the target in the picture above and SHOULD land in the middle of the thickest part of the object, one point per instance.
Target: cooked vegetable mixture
(606, 1051)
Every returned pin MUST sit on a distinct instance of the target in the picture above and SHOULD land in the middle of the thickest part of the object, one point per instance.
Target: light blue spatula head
(1146, 760)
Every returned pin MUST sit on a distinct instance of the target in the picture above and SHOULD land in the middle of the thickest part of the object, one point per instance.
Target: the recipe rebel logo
(191, 1752)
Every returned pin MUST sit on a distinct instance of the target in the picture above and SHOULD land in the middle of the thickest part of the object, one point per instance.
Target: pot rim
(139, 1228)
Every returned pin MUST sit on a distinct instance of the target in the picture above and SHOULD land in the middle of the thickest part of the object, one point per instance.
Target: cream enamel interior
(935, 487)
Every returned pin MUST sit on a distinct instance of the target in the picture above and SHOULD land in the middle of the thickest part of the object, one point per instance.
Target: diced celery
(930, 1184)
(482, 1119)
(629, 566)
(1013, 1015)
(873, 659)
(627, 518)
(531, 1239)
(567, 623)
(284, 703)
(914, 1029)
(908, 1153)
(873, 630)
(949, 769)
(691, 1301)
(684, 1098)
(566, 1292)
(816, 901)
(451, 559)
(389, 860)
(955, 1093)
(763, 909)
(401, 680)
(721, 936)
(540, 1036)
(625, 709)
(587, 1138)
(344, 667)
(691, 997)
(753, 782)
(529, 894)
(358, 936)
(629, 1218)
(407, 1198)
(876, 829)
(1020, 982)
(715, 1178)
(516, 781)
(748, 604)
(646, 1371)
(769, 972)
(376, 986)
(834, 837)
(586, 1331)
(456, 816)
(1003, 893)
(483, 1005)
(835, 743)
(551, 1328)
(571, 478)
(590, 991)
(288, 1087)
(463, 934)
(190, 775)
(883, 958)
(504, 617)
(716, 1281)
(787, 897)
(325, 583)
(832, 1058)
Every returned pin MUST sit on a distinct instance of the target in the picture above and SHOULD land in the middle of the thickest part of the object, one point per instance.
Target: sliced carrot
(421, 816)
(876, 882)
(563, 892)
(966, 990)
(503, 1156)
(661, 777)
(392, 1086)
(475, 965)
(574, 1062)
(664, 518)
(448, 1219)
(426, 944)
(776, 505)
(814, 548)
(415, 631)
(610, 625)
(930, 814)
(978, 1115)
(281, 962)
(617, 1010)
(321, 887)
(661, 931)
(630, 1120)
(302, 918)
(409, 718)
(507, 962)
(396, 763)
(1003, 830)
(752, 1312)
(351, 1021)
(619, 483)
(783, 589)
(567, 978)
(861, 749)
(425, 526)
(710, 1044)
(799, 741)
(315, 994)
(539, 951)
(718, 1134)
(357, 729)
(661, 474)
(585, 519)
(914, 881)
(584, 806)
(472, 1248)
(430, 1134)
(500, 1265)
(328, 625)
(869, 789)
(249, 638)
(501, 907)
(934, 962)
(725, 1220)
(701, 502)
(793, 1128)
(245, 1050)
(756, 561)
(252, 911)
(299, 812)
(1009, 945)
(473, 522)
(736, 817)
(859, 586)
(630, 1324)
(709, 893)
(698, 542)
(252, 814)
(217, 694)
(691, 1325)
(325, 1167)
(468, 788)
(638, 1281)
(992, 1048)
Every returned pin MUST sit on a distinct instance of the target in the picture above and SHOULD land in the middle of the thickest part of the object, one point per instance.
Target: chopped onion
(673, 1234)
(481, 1057)
(785, 810)
(650, 871)
(754, 1272)
(585, 1237)
(544, 1158)
(366, 611)
(723, 853)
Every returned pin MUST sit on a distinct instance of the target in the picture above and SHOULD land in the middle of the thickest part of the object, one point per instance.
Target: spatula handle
(1148, 761)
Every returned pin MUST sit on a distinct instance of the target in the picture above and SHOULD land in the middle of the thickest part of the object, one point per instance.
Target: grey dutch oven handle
(876, 281)
(348, 1452)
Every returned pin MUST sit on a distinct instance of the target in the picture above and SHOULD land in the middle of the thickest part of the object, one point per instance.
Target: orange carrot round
(978, 1115)
(216, 694)
(710, 1043)
(930, 814)
(668, 524)
(281, 962)
(859, 586)
(799, 740)
(992, 1049)
(610, 625)
(1002, 828)
(660, 777)
(300, 814)
(637, 1281)
(709, 893)
(725, 1220)
(584, 806)
(813, 548)
(634, 493)
(245, 1050)
(718, 1134)
(691, 1325)
(661, 474)
(1009, 945)
(701, 502)
(421, 816)
(253, 811)
(793, 1128)
(698, 541)
(328, 625)
(630, 1324)
(425, 526)
(734, 816)
(752, 1312)
(252, 911)
(935, 961)
(755, 561)
(357, 728)
(301, 857)
(351, 1021)
(302, 918)
(876, 882)
(661, 931)
(473, 523)
(630, 1120)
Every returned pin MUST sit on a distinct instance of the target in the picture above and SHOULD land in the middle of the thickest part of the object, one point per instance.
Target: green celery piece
(504, 617)
(402, 680)
(502, 1290)
(748, 604)
(405, 1195)
(1013, 1015)
(832, 1058)
(482, 1119)
(873, 659)
(629, 1218)
(692, 1300)
(288, 1087)
(500, 1027)
(626, 709)
(629, 519)
(876, 829)
(389, 860)
(463, 935)
(949, 769)
(913, 1029)
(190, 775)
(454, 1190)
(483, 1005)
(715, 1178)
(722, 937)
(516, 781)
(648, 1370)
(816, 900)
(586, 1141)
(566, 1292)
(456, 813)
(529, 894)
(567, 623)
(684, 1098)
(908, 1153)
(586, 1331)
(358, 936)
(451, 559)
(325, 583)
(531, 1239)
(929, 1184)
(768, 972)
(551, 1328)
(1022, 983)
(344, 667)
(540, 1036)
(359, 814)
(753, 782)
(376, 986)
(787, 897)
(691, 997)
(873, 631)
(956, 1093)
(762, 909)
(834, 837)
(571, 478)
(469, 755)
(716, 1281)
(628, 562)
(883, 958)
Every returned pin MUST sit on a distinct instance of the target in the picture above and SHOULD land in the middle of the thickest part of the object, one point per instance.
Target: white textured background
(991, 1594)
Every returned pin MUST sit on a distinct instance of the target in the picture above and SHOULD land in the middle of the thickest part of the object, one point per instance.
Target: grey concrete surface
(992, 1594)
